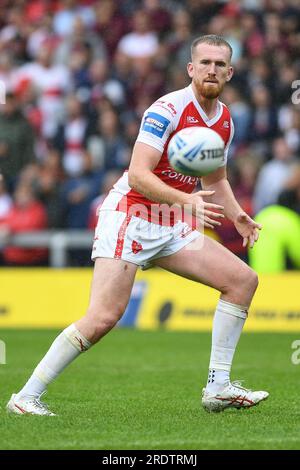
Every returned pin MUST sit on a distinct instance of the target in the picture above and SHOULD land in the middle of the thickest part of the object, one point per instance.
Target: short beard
(209, 92)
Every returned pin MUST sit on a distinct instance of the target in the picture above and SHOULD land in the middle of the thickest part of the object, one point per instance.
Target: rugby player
(135, 229)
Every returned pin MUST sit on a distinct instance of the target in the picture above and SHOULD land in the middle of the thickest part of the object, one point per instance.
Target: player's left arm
(223, 195)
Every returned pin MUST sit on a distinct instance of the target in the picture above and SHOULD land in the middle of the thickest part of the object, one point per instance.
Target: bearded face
(210, 69)
(209, 88)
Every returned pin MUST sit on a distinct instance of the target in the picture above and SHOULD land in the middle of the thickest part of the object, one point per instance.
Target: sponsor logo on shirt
(167, 106)
(191, 120)
(174, 175)
(155, 124)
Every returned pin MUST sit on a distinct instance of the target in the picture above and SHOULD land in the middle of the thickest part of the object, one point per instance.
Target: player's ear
(230, 73)
(190, 69)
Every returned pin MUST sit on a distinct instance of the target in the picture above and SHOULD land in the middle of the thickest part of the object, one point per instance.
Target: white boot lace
(238, 384)
(39, 404)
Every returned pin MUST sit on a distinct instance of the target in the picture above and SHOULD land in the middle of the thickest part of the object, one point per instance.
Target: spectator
(160, 18)
(63, 21)
(29, 175)
(36, 10)
(52, 82)
(131, 125)
(13, 36)
(146, 81)
(142, 41)
(5, 200)
(45, 179)
(273, 175)
(48, 188)
(7, 70)
(16, 140)
(41, 31)
(82, 40)
(177, 42)
(259, 74)
(242, 174)
(77, 193)
(253, 37)
(104, 85)
(292, 133)
(279, 242)
(241, 115)
(202, 12)
(70, 137)
(27, 214)
(111, 177)
(286, 76)
(107, 146)
(290, 195)
(110, 24)
(274, 38)
(263, 122)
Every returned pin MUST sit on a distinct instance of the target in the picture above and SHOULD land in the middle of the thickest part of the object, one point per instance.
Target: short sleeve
(157, 125)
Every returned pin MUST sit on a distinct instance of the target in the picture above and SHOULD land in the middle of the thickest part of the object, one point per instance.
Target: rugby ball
(196, 151)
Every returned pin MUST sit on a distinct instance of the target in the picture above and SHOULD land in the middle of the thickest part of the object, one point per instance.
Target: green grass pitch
(141, 390)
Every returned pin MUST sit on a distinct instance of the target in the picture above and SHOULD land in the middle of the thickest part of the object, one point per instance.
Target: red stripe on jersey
(121, 236)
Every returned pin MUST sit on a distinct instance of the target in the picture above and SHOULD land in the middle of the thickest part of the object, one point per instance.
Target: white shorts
(136, 240)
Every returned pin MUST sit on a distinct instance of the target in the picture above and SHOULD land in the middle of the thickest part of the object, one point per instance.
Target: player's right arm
(142, 179)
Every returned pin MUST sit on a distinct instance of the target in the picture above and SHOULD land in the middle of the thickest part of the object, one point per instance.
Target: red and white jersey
(160, 122)
(52, 83)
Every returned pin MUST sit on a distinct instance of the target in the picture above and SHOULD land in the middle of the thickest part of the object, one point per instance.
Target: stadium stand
(77, 86)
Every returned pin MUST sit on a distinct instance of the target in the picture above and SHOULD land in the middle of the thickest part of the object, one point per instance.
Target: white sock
(228, 323)
(65, 348)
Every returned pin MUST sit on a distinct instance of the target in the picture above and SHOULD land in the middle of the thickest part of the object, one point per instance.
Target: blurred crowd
(79, 74)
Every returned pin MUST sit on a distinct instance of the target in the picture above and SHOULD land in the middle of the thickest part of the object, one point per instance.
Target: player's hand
(248, 229)
(205, 211)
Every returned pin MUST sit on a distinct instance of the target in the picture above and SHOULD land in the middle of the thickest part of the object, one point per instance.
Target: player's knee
(248, 280)
(255, 280)
(252, 281)
(104, 324)
(104, 320)
(243, 281)
(100, 327)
